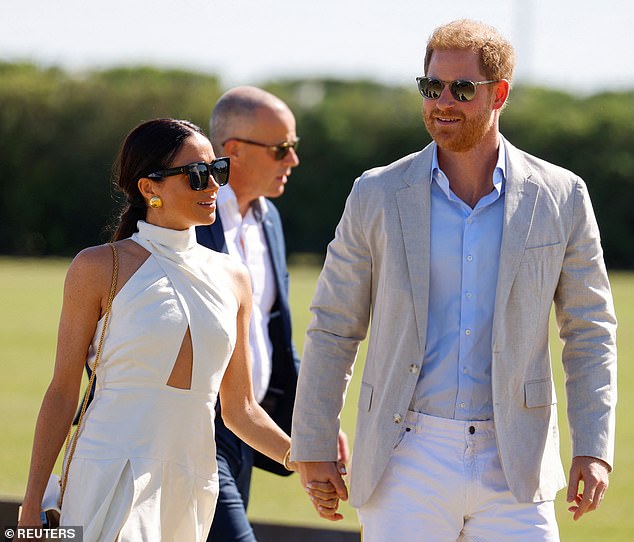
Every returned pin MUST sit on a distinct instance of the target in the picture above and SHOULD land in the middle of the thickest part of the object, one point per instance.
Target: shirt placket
(467, 313)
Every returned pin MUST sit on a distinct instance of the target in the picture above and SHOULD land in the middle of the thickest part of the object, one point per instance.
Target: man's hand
(595, 476)
(323, 482)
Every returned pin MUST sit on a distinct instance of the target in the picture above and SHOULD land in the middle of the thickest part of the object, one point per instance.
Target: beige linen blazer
(377, 270)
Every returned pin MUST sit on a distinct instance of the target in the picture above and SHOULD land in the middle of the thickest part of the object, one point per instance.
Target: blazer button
(397, 418)
(413, 368)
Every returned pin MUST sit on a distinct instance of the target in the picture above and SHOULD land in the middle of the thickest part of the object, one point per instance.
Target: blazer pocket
(545, 254)
(539, 393)
(365, 397)
(549, 244)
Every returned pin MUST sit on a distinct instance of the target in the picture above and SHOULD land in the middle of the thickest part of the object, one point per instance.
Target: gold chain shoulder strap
(72, 440)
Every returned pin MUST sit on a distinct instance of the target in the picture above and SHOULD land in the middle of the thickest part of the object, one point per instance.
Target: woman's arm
(85, 294)
(240, 411)
(249, 421)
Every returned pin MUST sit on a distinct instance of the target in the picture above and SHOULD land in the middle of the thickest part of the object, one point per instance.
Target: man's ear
(231, 149)
(502, 89)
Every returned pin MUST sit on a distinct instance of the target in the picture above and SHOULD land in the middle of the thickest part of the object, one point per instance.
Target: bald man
(257, 131)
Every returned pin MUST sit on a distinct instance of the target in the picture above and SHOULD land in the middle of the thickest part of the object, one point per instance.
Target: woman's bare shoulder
(92, 261)
(89, 274)
(240, 280)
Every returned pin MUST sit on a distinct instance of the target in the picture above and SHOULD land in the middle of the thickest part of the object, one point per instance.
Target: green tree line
(60, 133)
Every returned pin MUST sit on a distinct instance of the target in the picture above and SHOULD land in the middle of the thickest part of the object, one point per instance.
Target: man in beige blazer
(457, 434)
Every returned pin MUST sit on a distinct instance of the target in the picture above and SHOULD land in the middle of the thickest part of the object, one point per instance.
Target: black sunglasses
(281, 150)
(199, 173)
(462, 90)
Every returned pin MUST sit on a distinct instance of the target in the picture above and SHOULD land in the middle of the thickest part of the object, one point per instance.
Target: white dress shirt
(246, 242)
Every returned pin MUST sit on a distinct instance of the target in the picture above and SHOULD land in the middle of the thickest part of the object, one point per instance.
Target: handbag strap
(72, 441)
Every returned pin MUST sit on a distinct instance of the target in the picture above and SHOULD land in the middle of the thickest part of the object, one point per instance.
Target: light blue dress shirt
(455, 381)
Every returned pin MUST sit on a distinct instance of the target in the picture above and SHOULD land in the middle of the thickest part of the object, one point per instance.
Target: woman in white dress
(144, 466)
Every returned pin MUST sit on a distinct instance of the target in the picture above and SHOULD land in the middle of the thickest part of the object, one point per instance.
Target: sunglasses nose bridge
(446, 98)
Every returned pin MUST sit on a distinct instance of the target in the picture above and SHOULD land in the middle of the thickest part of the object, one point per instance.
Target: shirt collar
(227, 201)
(499, 173)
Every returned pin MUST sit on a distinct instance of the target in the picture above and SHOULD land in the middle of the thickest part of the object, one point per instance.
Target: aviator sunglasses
(281, 150)
(199, 173)
(462, 90)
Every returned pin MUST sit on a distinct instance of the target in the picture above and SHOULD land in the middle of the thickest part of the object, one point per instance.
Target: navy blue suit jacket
(280, 396)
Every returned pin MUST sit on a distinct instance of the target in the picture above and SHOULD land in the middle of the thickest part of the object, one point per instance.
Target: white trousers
(444, 483)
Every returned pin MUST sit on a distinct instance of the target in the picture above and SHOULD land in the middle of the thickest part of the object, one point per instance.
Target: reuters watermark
(44, 533)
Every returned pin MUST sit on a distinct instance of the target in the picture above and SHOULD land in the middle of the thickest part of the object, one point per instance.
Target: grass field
(31, 292)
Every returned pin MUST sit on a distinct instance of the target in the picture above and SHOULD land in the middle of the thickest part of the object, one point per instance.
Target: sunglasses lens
(430, 88)
(198, 177)
(220, 171)
(281, 152)
(463, 91)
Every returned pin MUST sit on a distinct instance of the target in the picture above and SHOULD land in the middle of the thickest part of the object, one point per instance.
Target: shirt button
(469, 295)
(469, 220)
(413, 368)
(469, 258)
(465, 370)
(397, 418)
(461, 405)
(467, 332)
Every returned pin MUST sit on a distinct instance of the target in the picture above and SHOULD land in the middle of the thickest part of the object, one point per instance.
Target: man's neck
(243, 206)
(243, 199)
(470, 173)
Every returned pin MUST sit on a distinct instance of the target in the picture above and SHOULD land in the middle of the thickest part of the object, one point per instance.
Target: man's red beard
(469, 132)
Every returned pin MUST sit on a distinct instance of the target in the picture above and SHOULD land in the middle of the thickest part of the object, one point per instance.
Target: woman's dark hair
(149, 147)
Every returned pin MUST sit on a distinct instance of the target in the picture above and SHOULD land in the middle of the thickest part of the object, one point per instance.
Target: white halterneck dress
(145, 464)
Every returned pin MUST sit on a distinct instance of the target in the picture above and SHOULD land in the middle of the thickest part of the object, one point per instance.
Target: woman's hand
(324, 497)
(28, 517)
(325, 486)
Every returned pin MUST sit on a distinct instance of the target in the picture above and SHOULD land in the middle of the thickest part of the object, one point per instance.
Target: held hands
(323, 481)
(594, 474)
(325, 486)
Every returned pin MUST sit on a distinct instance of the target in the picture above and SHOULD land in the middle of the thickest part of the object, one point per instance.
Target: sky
(581, 46)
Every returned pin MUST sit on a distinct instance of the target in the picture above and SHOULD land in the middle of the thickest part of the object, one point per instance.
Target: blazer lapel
(270, 234)
(519, 211)
(414, 206)
(272, 228)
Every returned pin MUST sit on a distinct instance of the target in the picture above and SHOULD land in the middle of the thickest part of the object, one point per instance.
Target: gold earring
(155, 202)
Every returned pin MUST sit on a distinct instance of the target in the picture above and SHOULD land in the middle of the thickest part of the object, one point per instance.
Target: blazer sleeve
(587, 326)
(341, 313)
